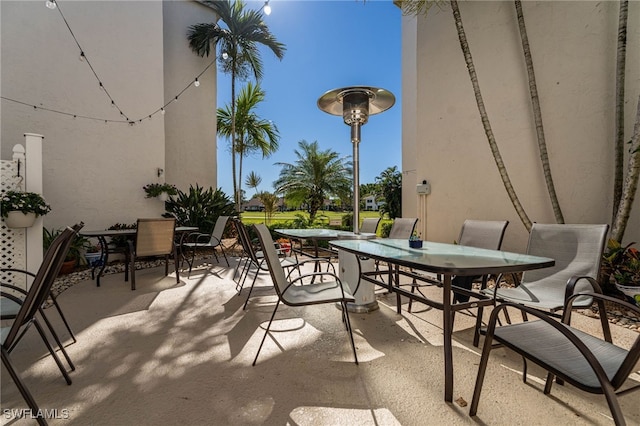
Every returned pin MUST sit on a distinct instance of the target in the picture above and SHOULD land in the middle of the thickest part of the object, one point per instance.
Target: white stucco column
(33, 183)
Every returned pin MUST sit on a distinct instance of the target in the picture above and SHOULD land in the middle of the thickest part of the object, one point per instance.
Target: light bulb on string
(82, 57)
(101, 86)
(51, 4)
(162, 111)
(196, 83)
(225, 55)
(266, 8)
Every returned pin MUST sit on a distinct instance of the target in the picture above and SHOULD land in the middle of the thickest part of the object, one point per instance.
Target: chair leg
(255, 277)
(482, 368)
(52, 351)
(266, 332)
(57, 339)
(132, 266)
(224, 254)
(24, 391)
(64, 319)
(348, 324)
(175, 263)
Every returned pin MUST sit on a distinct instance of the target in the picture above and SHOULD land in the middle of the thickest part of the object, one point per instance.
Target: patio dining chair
(585, 361)
(154, 237)
(255, 259)
(402, 228)
(370, 225)
(291, 294)
(30, 305)
(13, 296)
(198, 240)
(9, 309)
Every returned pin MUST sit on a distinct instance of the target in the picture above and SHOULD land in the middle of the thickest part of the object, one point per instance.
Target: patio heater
(355, 104)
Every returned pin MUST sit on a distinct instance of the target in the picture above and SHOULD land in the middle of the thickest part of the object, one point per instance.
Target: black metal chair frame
(608, 365)
(30, 305)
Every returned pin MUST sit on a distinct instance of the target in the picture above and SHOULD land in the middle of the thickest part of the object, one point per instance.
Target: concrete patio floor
(172, 353)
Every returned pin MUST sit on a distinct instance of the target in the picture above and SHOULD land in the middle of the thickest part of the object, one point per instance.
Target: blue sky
(330, 44)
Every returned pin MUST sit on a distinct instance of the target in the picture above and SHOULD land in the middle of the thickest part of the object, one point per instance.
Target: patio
(181, 354)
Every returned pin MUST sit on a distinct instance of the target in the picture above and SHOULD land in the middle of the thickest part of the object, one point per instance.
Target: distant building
(370, 203)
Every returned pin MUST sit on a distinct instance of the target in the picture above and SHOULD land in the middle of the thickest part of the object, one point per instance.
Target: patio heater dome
(355, 104)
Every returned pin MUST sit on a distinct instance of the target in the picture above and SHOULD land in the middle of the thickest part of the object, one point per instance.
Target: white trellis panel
(13, 241)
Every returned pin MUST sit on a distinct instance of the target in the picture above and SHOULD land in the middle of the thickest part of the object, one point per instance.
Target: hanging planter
(20, 209)
(162, 191)
(17, 219)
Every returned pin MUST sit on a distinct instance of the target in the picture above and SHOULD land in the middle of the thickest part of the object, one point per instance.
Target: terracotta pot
(17, 219)
(68, 266)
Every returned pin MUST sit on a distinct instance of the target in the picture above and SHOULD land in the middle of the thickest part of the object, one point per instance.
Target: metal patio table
(444, 259)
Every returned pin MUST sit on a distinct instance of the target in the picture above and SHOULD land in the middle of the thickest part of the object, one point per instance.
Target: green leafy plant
(26, 202)
(77, 247)
(200, 207)
(622, 263)
(385, 229)
(121, 242)
(155, 189)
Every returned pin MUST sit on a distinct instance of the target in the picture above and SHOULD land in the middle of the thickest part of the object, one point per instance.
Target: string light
(225, 55)
(52, 4)
(266, 8)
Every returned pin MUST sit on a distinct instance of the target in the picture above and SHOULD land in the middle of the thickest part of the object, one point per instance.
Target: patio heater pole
(355, 104)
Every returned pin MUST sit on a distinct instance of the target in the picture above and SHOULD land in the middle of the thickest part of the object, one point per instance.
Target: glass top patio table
(447, 260)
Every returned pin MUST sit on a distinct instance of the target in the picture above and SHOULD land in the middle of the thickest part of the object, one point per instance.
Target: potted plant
(622, 265)
(78, 245)
(160, 190)
(93, 254)
(415, 241)
(20, 209)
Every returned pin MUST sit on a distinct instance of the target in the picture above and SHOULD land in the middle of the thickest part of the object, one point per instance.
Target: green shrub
(385, 229)
(200, 207)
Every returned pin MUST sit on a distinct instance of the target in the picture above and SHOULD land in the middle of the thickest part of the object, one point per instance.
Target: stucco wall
(94, 171)
(190, 124)
(574, 47)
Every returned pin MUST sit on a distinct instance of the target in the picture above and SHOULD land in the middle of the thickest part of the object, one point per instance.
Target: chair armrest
(14, 288)
(316, 260)
(571, 285)
(564, 329)
(11, 297)
(18, 270)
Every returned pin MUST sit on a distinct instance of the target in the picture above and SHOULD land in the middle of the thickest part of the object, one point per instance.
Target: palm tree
(253, 181)
(270, 202)
(238, 44)
(390, 183)
(537, 115)
(314, 176)
(252, 132)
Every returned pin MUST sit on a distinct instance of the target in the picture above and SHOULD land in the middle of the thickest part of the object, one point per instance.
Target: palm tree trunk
(240, 179)
(485, 119)
(537, 115)
(619, 118)
(233, 136)
(630, 185)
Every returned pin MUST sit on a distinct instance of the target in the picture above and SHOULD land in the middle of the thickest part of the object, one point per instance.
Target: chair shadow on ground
(188, 357)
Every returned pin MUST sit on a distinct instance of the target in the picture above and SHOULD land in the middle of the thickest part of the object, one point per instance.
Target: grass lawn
(258, 217)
